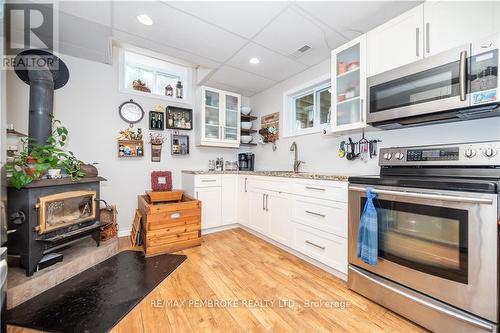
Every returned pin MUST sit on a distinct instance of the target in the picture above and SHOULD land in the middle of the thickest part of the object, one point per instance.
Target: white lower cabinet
(327, 248)
(229, 199)
(278, 211)
(243, 201)
(211, 206)
(258, 216)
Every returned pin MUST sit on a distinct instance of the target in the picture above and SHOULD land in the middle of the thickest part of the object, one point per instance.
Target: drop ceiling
(223, 36)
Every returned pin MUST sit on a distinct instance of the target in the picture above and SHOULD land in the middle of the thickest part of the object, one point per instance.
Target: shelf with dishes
(246, 130)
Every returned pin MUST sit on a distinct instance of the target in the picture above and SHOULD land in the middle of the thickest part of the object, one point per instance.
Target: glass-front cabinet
(349, 86)
(220, 118)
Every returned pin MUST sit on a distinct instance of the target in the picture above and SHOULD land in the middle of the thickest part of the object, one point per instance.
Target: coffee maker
(246, 161)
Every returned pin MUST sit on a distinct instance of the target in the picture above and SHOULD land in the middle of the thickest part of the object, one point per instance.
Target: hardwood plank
(236, 265)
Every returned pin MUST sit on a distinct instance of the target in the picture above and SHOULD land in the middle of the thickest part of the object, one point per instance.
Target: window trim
(288, 115)
(186, 101)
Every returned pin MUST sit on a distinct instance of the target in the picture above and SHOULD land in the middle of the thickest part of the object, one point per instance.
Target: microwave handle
(426, 196)
(462, 78)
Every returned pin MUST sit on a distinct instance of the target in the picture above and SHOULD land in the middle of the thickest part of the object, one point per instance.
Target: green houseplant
(34, 161)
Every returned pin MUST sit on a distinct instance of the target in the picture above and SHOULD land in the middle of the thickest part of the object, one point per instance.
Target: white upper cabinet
(220, 118)
(449, 24)
(348, 86)
(397, 42)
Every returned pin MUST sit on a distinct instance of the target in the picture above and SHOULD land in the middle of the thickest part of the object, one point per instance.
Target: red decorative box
(161, 181)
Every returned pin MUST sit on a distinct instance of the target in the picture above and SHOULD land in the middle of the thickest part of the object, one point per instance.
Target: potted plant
(36, 160)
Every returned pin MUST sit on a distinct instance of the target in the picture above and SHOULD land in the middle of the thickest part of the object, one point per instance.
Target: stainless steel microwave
(458, 84)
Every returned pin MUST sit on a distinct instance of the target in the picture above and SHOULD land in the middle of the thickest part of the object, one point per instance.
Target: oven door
(441, 243)
(434, 84)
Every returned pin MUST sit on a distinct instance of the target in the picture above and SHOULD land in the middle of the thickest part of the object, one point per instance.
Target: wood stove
(49, 214)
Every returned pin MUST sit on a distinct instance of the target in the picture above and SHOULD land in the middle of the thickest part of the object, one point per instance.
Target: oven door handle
(426, 196)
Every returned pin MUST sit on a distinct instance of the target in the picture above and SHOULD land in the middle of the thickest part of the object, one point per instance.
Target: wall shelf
(248, 118)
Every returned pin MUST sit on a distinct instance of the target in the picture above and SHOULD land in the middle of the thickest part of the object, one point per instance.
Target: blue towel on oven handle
(368, 231)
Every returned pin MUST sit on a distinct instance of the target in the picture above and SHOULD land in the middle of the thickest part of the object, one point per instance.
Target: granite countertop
(286, 174)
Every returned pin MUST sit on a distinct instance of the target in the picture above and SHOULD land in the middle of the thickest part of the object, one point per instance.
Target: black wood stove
(49, 213)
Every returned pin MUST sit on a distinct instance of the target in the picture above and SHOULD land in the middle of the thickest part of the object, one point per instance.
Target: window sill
(185, 102)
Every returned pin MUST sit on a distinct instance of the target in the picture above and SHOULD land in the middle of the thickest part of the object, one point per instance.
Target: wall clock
(131, 112)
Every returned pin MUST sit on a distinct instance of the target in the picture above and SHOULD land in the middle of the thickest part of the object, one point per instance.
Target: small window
(308, 110)
(147, 75)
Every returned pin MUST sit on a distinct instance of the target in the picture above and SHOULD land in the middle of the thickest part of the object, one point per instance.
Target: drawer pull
(315, 245)
(315, 188)
(175, 215)
(315, 214)
(208, 180)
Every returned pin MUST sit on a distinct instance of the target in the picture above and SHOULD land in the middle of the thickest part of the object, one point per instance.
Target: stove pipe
(41, 105)
(46, 75)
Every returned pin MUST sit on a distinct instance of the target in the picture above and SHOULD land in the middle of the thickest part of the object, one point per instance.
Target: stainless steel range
(438, 235)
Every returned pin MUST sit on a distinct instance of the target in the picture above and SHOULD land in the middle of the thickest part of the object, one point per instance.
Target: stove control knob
(469, 153)
(399, 155)
(489, 152)
(387, 156)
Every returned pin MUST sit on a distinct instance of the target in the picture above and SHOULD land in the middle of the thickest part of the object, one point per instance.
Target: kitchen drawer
(328, 190)
(329, 249)
(207, 181)
(330, 216)
(275, 184)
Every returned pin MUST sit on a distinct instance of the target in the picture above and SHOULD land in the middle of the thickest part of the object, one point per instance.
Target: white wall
(320, 152)
(88, 107)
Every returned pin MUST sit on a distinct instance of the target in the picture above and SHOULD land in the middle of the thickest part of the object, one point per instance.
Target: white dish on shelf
(246, 138)
(246, 110)
(246, 125)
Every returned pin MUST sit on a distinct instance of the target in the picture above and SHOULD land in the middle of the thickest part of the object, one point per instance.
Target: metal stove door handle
(424, 302)
(426, 196)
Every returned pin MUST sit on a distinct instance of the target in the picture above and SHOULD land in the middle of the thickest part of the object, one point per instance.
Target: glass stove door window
(426, 238)
(212, 114)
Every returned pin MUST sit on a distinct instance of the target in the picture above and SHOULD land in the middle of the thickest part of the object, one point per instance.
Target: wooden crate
(162, 196)
(170, 226)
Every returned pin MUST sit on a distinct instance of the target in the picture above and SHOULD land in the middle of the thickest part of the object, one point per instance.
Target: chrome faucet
(296, 161)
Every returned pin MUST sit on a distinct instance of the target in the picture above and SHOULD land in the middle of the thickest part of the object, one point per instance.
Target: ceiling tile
(125, 38)
(272, 65)
(245, 18)
(361, 16)
(240, 79)
(226, 87)
(174, 28)
(291, 30)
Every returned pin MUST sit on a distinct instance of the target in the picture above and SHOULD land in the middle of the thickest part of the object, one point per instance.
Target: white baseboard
(217, 229)
(124, 232)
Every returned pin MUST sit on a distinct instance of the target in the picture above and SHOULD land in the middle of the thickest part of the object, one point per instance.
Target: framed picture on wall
(179, 118)
(156, 121)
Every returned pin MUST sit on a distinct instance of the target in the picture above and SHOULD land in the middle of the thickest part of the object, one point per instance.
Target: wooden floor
(260, 288)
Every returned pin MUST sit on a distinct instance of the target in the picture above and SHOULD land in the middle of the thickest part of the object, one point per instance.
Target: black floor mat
(97, 298)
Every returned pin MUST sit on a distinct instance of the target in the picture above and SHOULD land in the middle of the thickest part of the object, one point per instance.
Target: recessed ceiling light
(145, 19)
(254, 61)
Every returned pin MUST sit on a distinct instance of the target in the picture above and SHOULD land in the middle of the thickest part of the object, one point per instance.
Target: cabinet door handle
(208, 180)
(315, 245)
(427, 37)
(417, 43)
(246, 184)
(263, 201)
(315, 188)
(267, 202)
(315, 214)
